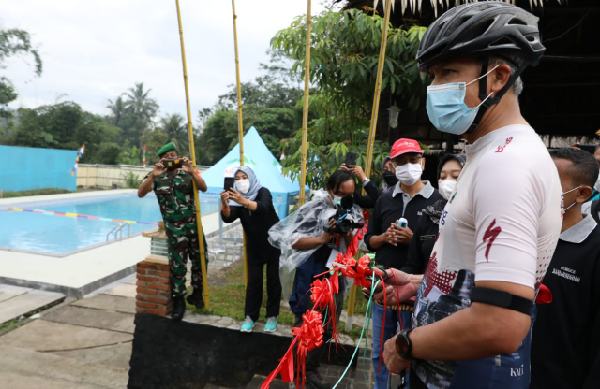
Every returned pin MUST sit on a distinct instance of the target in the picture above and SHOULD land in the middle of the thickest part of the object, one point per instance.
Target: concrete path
(17, 302)
(84, 344)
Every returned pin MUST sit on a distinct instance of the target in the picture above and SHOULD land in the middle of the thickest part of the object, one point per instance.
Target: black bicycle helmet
(483, 29)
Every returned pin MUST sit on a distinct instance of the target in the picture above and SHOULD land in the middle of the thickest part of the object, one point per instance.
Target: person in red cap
(389, 234)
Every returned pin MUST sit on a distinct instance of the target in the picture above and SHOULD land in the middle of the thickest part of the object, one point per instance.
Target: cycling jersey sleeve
(507, 201)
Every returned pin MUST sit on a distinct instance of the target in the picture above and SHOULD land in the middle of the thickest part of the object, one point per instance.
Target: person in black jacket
(390, 242)
(253, 205)
(372, 193)
(428, 225)
(566, 332)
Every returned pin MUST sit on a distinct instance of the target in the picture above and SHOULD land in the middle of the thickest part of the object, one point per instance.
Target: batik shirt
(501, 224)
(175, 193)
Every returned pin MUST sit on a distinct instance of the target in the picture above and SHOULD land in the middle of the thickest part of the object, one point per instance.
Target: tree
(14, 42)
(118, 110)
(270, 104)
(175, 128)
(344, 55)
(142, 110)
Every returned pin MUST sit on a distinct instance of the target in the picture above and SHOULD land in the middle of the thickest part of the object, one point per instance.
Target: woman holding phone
(253, 205)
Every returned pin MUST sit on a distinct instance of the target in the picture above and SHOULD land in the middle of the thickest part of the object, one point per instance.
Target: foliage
(132, 180)
(269, 104)
(14, 42)
(343, 68)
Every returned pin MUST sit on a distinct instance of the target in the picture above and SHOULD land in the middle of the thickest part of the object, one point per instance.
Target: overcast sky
(93, 50)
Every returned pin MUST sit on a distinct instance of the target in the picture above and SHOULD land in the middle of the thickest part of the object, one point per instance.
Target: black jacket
(566, 332)
(368, 201)
(388, 210)
(256, 226)
(425, 234)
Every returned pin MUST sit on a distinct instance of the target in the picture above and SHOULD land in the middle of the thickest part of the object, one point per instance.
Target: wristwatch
(404, 344)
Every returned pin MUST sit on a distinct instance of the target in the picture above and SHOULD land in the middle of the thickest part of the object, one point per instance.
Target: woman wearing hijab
(253, 205)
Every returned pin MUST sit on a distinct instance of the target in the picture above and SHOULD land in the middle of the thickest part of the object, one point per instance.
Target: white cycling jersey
(501, 224)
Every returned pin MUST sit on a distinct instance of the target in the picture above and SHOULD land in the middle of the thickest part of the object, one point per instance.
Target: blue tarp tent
(264, 164)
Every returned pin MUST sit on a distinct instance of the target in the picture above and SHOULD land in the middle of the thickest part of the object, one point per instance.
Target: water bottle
(402, 223)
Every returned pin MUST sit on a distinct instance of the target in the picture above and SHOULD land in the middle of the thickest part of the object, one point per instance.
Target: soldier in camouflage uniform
(174, 190)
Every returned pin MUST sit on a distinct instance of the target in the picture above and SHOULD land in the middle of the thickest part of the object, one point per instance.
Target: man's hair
(585, 168)
(335, 180)
(517, 86)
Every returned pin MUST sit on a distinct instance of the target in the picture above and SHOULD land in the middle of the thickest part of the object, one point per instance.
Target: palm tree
(117, 110)
(174, 126)
(142, 107)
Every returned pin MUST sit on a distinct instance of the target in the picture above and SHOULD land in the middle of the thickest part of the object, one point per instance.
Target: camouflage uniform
(175, 192)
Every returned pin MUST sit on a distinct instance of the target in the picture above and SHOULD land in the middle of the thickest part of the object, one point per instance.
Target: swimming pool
(61, 227)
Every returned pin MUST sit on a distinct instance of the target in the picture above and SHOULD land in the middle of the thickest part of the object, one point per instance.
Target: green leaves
(344, 57)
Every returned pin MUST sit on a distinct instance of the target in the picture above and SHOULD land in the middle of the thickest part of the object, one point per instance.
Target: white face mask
(447, 188)
(242, 186)
(337, 200)
(409, 173)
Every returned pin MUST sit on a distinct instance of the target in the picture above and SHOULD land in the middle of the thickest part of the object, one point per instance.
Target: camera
(171, 164)
(343, 217)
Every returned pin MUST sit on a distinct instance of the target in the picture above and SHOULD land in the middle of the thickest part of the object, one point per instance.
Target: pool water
(64, 226)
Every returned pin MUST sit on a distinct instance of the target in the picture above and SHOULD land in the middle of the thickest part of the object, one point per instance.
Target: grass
(227, 296)
(9, 326)
(47, 191)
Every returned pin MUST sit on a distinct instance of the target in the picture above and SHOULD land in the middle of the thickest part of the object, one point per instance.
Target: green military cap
(166, 148)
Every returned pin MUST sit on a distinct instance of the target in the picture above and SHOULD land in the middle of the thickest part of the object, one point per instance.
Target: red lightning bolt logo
(490, 236)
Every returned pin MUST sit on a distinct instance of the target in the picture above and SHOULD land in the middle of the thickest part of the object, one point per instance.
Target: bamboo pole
(238, 87)
(240, 117)
(377, 93)
(304, 147)
(373, 124)
(193, 157)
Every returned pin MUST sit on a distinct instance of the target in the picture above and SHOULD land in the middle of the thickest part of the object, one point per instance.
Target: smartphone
(350, 160)
(172, 163)
(228, 183)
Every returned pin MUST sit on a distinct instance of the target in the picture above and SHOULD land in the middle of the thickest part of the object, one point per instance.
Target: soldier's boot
(178, 308)
(196, 299)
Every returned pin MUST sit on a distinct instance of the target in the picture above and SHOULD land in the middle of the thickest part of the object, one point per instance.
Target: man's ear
(498, 78)
(583, 194)
(423, 162)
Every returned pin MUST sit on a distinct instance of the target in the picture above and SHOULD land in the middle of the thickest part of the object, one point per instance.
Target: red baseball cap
(405, 145)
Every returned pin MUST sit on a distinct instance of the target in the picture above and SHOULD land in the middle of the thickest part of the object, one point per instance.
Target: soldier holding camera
(171, 180)
(389, 234)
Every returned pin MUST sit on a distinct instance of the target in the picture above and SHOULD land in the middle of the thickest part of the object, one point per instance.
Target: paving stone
(25, 303)
(107, 320)
(41, 335)
(108, 302)
(124, 289)
(22, 368)
(116, 356)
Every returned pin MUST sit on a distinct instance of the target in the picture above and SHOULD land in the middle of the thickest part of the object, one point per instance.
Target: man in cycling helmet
(498, 231)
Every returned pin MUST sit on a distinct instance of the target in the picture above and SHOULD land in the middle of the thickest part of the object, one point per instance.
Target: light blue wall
(27, 168)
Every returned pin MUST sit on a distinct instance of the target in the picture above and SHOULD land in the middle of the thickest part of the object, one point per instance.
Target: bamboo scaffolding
(304, 147)
(193, 157)
(240, 117)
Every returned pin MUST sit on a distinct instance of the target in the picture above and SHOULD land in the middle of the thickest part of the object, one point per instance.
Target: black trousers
(254, 290)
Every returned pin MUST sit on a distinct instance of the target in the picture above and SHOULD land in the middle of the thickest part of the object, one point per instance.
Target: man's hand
(394, 362)
(400, 287)
(187, 165)
(359, 172)
(404, 235)
(391, 235)
(158, 169)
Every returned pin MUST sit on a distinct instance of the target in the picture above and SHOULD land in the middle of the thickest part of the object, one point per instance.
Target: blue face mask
(446, 106)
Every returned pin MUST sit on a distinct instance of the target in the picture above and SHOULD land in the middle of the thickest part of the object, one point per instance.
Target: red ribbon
(310, 337)
(544, 295)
